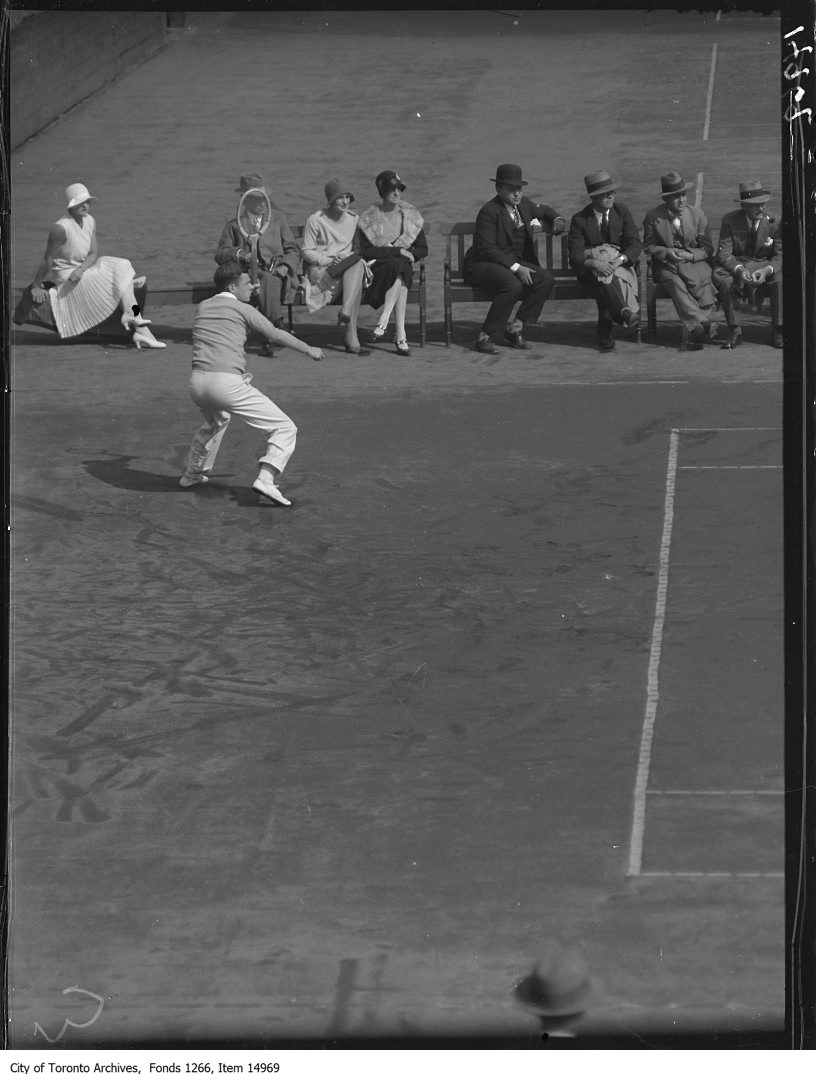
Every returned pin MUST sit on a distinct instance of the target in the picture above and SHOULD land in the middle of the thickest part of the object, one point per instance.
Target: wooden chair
(554, 256)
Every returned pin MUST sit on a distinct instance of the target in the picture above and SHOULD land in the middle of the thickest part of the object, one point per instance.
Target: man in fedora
(278, 258)
(604, 245)
(677, 241)
(503, 260)
(748, 264)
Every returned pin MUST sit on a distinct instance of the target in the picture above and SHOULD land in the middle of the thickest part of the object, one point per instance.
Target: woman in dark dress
(391, 240)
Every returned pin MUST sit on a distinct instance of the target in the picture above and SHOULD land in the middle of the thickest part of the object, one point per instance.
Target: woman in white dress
(86, 288)
(332, 262)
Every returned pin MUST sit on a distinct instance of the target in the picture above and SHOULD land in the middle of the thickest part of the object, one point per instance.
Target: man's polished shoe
(267, 487)
(777, 339)
(697, 338)
(268, 350)
(734, 339)
(629, 317)
(605, 344)
(515, 339)
(484, 345)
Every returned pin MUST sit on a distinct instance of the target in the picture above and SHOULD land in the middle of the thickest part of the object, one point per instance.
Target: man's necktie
(605, 227)
(754, 233)
(516, 216)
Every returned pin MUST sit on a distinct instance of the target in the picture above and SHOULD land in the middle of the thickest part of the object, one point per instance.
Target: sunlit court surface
(503, 688)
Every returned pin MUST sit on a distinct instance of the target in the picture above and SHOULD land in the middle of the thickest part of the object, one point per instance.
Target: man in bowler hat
(604, 245)
(748, 264)
(503, 260)
(278, 258)
(677, 241)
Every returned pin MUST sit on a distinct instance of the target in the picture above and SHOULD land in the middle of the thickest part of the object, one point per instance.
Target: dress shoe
(484, 345)
(515, 339)
(605, 344)
(734, 339)
(629, 317)
(606, 332)
(402, 348)
(777, 339)
(187, 481)
(361, 351)
(697, 337)
(268, 350)
(378, 332)
(266, 486)
(143, 337)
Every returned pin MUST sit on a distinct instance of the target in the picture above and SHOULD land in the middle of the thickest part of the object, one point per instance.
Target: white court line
(769, 467)
(716, 792)
(710, 91)
(699, 195)
(647, 733)
(725, 876)
(730, 429)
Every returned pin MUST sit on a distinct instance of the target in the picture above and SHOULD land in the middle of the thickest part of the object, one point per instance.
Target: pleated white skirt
(77, 307)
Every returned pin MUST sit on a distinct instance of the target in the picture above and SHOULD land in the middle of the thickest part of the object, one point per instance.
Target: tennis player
(220, 385)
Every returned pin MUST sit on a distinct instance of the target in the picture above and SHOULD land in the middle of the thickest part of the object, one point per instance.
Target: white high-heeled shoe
(147, 339)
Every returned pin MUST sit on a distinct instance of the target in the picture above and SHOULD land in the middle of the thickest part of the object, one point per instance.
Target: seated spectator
(604, 245)
(82, 288)
(333, 266)
(677, 241)
(391, 241)
(748, 264)
(503, 260)
(278, 258)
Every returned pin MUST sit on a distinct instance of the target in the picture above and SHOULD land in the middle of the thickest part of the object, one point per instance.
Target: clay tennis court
(508, 674)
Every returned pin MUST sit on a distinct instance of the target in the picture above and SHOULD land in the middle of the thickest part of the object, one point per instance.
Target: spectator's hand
(600, 266)
(559, 225)
(763, 274)
(76, 275)
(408, 254)
(282, 271)
(38, 293)
(744, 275)
(525, 275)
(316, 354)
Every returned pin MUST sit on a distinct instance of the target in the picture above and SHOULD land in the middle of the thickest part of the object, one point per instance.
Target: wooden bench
(195, 291)
(458, 237)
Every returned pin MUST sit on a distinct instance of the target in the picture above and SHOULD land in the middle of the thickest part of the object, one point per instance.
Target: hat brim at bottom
(510, 182)
(753, 201)
(72, 204)
(607, 188)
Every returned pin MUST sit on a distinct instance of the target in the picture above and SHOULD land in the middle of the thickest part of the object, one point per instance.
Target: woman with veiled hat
(391, 241)
(334, 270)
(83, 288)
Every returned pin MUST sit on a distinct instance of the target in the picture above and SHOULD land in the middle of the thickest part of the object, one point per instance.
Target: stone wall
(58, 58)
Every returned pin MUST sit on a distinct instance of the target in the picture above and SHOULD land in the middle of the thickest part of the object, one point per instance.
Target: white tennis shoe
(267, 487)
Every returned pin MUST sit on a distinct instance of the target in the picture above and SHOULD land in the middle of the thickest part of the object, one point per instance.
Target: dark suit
(277, 246)
(585, 233)
(487, 263)
(739, 245)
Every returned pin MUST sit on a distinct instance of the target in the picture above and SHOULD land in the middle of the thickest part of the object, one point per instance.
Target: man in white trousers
(220, 385)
